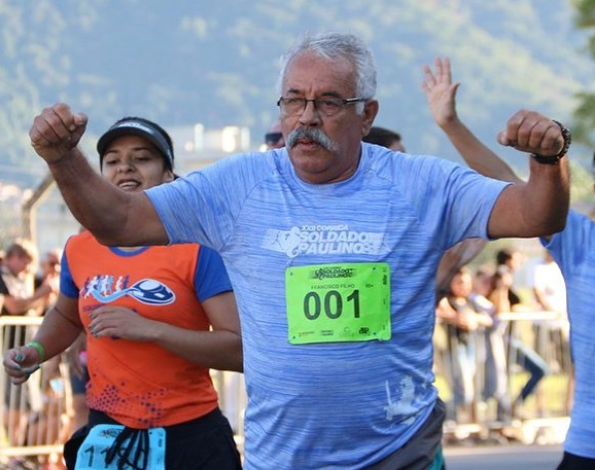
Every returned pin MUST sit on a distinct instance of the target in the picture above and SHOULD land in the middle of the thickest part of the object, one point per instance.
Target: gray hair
(331, 46)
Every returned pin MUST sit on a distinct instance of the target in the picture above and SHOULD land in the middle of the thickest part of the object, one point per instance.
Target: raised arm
(540, 206)
(441, 95)
(115, 217)
(535, 208)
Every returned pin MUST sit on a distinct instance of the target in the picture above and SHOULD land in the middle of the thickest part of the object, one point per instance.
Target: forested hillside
(181, 62)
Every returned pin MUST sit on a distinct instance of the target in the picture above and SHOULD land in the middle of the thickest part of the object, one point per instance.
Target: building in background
(52, 223)
(196, 147)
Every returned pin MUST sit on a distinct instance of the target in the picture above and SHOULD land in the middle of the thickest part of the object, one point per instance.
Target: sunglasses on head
(272, 138)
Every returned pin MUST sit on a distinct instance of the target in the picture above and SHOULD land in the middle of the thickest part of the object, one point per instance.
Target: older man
(332, 246)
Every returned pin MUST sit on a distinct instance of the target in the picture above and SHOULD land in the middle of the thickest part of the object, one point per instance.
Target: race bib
(91, 455)
(329, 303)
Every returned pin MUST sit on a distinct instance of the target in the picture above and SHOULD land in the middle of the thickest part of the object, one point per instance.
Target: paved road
(508, 457)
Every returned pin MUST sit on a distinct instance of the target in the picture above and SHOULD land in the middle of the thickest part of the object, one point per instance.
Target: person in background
(385, 138)
(548, 285)
(49, 273)
(507, 264)
(156, 320)
(76, 356)
(332, 246)
(468, 317)
(486, 293)
(273, 139)
(519, 351)
(549, 290)
(20, 299)
(16, 281)
(572, 249)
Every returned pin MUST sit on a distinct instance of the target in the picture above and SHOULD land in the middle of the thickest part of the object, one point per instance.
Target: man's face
(514, 262)
(311, 77)
(461, 285)
(134, 164)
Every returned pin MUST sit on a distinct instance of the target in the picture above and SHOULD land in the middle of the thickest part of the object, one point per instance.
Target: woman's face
(134, 164)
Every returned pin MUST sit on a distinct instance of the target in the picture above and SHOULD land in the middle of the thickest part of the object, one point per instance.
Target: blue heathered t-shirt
(331, 405)
(574, 251)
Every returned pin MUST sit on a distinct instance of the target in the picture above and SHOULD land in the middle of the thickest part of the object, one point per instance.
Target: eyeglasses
(272, 138)
(325, 106)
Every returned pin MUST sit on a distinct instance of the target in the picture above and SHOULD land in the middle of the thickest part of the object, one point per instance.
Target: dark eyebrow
(148, 148)
(326, 94)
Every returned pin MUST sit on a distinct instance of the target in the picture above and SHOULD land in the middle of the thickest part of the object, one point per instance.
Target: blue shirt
(574, 251)
(330, 405)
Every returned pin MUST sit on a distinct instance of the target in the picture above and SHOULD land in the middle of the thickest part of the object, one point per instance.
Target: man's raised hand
(56, 131)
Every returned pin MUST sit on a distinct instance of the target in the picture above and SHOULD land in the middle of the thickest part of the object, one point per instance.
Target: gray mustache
(315, 135)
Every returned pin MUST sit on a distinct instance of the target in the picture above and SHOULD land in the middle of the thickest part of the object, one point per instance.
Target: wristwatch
(555, 159)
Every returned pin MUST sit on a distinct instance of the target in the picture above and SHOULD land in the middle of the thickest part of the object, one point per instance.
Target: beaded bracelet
(555, 159)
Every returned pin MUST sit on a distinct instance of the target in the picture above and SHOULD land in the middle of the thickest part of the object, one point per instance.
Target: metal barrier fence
(32, 421)
(510, 382)
(36, 418)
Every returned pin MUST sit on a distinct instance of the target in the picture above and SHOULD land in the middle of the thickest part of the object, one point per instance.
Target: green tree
(585, 111)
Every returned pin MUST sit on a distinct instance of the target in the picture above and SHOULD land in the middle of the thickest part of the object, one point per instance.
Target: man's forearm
(548, 196)
(95, 203)
(537, 208)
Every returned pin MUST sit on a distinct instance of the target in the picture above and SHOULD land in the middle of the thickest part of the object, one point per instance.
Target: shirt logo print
(146, 291)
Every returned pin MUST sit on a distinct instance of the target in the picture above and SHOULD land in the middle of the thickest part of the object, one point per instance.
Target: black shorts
(205, 443)
(574, 462)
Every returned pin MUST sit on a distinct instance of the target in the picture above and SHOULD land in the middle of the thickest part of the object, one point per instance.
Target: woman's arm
(60, 327)
(220, 348)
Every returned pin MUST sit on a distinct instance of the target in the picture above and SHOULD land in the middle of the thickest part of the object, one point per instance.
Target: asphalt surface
(505, 457)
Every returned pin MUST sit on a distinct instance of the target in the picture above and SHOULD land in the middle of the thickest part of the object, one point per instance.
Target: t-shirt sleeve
(211, 277)
(67, 285)
(452, 201)
(203, 207)
(563, 245)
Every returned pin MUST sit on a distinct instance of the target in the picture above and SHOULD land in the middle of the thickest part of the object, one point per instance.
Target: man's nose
(310, 116)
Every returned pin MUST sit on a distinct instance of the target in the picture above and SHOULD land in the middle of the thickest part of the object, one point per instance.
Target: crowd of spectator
(499, 342)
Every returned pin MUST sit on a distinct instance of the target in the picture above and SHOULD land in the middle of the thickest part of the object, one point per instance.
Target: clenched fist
(532, 132)
(56, 131)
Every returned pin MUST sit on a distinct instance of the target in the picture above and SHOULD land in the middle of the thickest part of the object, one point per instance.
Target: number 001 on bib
(329, 303)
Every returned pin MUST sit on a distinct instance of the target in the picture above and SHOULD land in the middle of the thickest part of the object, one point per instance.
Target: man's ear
(371, 108)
